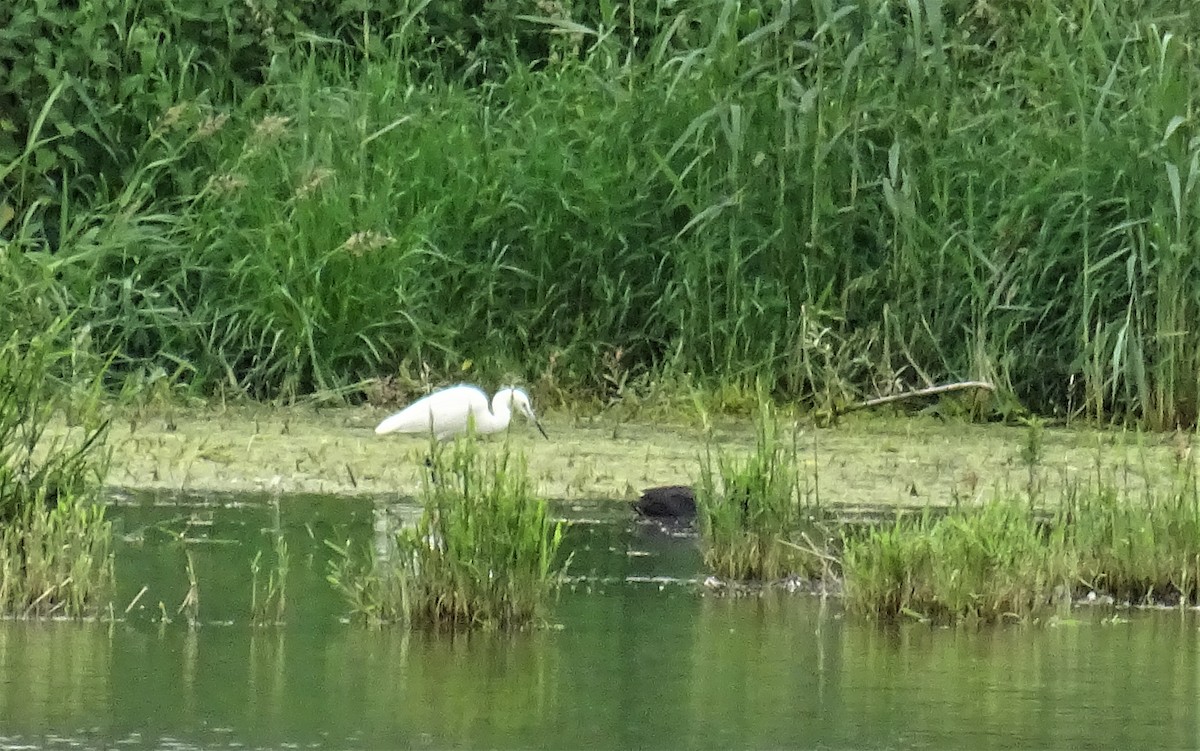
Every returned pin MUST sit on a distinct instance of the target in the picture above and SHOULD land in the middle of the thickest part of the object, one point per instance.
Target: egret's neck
(500, 415)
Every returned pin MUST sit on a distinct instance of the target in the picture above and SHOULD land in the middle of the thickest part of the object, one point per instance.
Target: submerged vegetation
(483, 554)
(825, 198)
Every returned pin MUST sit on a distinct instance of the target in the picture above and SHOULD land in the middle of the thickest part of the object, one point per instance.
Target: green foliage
(483, 554)
(376, 592)
(1144, 549)
(268, 600)
(753, 511)
(36, 467)
(55, 543)
(827, 199)
(985, 564)
(1006, 560)
(56, 560)
(107, 72)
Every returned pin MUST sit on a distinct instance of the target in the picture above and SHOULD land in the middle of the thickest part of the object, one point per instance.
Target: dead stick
(932, 390)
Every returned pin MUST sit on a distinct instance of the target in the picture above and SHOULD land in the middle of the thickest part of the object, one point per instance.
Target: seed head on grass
(312, 181)
(271, 127)
(361, 243)
(211, 125)
(228, 182)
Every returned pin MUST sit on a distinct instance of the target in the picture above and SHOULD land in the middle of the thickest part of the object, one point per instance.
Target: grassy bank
(820, 199)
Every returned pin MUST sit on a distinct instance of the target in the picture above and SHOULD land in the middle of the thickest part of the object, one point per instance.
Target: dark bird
(667, 502)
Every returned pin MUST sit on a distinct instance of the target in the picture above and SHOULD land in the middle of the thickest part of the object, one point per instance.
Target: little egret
(446, 413)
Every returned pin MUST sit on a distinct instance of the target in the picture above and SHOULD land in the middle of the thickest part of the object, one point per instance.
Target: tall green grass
(55, 543)
(828, 198)
(483, 554)
(756, 513)
(1010, 559)
(56, 561)
(1143, 549)
(987, 564)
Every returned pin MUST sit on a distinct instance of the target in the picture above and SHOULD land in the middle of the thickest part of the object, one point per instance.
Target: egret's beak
(529, 415)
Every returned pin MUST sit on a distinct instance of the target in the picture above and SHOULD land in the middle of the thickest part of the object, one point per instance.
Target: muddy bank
(867, 460)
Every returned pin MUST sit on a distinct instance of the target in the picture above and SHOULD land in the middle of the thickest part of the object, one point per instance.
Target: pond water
(642, 656)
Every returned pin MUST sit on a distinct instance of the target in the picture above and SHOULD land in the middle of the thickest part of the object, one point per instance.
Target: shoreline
(909, 461)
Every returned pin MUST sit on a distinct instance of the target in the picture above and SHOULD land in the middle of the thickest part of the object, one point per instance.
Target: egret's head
(518, 401)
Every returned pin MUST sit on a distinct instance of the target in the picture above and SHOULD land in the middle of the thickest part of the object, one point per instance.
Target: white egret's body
(446, 413)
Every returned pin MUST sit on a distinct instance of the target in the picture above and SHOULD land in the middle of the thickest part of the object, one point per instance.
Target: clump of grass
(36, 467)
(1145, 551)
(376, 591)
(56, 561)
(268, 600)
(982, 564)
(752, 509)
(1007, 559)
(483, 554)
(1033, 451)
(55, 543)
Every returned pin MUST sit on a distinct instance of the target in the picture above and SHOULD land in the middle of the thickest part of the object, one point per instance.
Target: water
(657, 663)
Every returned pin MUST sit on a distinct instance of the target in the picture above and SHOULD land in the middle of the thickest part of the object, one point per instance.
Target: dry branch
(931, 391)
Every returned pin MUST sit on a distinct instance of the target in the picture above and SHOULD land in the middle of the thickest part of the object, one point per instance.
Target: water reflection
(53, 674)
(649, 664)
(1069, 685)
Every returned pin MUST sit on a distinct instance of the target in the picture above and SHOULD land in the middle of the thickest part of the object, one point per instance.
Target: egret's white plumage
(445, 413)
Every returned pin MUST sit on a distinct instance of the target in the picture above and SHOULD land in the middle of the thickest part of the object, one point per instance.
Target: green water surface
(642, 656)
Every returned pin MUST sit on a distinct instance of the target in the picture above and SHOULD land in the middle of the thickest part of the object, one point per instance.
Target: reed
(189, 607)
(55, 543)
(1011, 560)
(754, 511)
(268, 599)
(828, 199)
(483, 554)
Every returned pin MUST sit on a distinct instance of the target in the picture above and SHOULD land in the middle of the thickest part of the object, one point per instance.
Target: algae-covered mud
(867, 461)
